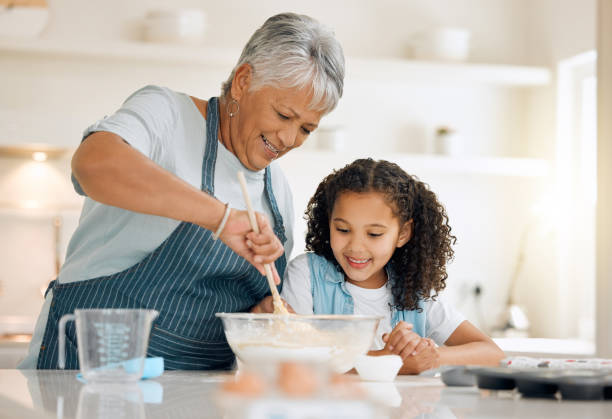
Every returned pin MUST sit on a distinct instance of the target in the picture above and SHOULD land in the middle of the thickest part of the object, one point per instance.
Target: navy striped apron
(188, 279)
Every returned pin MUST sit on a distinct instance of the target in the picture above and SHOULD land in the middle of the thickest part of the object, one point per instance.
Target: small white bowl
(378, 368)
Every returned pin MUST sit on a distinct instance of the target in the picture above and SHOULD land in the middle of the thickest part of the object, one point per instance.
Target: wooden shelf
(501, 166)
(451, 72)
(425, 163)
(374, 69)
(122, 50)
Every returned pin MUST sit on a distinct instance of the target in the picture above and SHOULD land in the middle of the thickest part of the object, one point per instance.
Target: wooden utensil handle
(279, 307)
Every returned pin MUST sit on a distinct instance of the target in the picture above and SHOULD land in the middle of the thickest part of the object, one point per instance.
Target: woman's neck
(224, 125)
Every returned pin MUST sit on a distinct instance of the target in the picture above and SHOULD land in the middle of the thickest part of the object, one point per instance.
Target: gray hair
(291, 50)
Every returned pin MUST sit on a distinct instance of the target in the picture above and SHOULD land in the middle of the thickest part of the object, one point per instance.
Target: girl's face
(364, 233)
(270, 121)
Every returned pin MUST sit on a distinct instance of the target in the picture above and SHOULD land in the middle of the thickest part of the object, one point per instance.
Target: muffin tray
(457, 376)
(574, 384)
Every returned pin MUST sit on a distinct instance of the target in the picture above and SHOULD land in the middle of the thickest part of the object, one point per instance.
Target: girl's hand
(267, 306)
(402, 340)
(427, 357)
(257, 249)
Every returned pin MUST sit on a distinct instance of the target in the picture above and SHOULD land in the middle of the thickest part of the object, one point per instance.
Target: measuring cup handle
(61, 339)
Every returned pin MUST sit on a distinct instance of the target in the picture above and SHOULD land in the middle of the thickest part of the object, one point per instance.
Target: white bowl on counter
(184, 26)
(383, 368)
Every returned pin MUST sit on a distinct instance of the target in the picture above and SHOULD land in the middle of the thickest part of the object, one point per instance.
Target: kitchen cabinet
(15, 334)
(13, 350)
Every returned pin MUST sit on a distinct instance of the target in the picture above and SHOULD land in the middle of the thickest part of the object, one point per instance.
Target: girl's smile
(358, 263)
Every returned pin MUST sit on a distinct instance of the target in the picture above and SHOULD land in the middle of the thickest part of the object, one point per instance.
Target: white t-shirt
(441, 318)
(168, 128)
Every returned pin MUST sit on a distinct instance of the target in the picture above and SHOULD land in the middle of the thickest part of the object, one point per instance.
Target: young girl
(378, 242)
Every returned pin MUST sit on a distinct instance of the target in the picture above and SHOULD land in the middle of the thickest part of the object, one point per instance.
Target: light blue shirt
(330, 296)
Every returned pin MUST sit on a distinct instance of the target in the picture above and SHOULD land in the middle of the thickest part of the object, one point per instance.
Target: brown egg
(246, 384)
(297, 380)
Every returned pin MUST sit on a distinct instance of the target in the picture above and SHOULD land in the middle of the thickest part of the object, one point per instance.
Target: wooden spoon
(279, 307)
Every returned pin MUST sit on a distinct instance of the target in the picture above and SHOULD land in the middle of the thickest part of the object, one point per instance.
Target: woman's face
(364, 233)
(270, 122)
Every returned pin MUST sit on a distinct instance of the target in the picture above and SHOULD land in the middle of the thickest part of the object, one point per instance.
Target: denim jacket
(330, 296)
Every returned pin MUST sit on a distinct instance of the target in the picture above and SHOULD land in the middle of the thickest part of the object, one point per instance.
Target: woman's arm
(468, 345)
(110, 171)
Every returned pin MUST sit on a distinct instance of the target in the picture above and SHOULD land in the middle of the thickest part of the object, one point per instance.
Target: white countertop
(185, 394)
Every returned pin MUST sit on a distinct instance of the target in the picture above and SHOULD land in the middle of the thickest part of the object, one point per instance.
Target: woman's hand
(402, 340)
(257, 249)
(267, 306)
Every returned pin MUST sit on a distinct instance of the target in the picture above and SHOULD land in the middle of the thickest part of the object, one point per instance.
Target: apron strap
(212, 128)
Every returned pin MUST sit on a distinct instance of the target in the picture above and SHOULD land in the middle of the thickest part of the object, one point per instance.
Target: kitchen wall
(54, 100)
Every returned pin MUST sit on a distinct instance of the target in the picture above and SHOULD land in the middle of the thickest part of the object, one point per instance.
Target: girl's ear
(405, 233)
(241, 81)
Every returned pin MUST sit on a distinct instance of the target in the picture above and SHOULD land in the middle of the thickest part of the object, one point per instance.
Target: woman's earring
(233, 107)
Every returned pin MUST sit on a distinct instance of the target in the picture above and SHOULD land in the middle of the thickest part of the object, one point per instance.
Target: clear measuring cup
(112, 343)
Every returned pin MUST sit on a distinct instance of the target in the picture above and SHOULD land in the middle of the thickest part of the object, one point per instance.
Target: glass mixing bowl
(336, 340)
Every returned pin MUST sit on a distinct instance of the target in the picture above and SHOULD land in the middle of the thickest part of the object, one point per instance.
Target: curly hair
(420, 265)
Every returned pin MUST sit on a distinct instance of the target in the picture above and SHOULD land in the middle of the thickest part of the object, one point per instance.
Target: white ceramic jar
(25, 20)
(175, 26)
(443, 43)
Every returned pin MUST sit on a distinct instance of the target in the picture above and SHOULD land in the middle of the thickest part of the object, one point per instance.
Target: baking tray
(457, 376)
(574, 384)
(495, 378)
(539, 383)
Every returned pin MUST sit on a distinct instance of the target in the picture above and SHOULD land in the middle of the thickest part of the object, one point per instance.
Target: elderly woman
(164, 226)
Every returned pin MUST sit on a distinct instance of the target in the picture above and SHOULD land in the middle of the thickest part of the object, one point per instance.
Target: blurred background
(491, 102)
